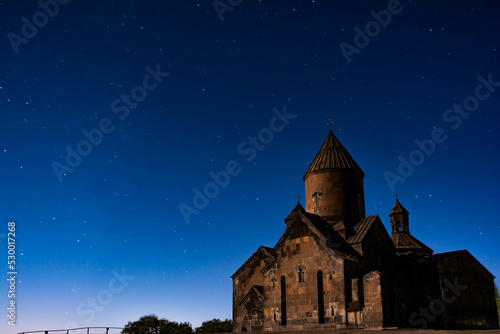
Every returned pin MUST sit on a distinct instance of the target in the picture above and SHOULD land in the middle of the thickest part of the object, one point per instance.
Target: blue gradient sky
(118, 209)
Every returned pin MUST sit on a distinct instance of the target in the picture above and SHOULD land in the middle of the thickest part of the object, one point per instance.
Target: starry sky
(116, 115)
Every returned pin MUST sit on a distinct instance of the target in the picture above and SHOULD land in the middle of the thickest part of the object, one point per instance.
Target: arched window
(301, 275)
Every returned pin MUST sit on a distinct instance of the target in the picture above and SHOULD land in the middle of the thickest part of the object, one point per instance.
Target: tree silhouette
(215, 326)
(150, 324)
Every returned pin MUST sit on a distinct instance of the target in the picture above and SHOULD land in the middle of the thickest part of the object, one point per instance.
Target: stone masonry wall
(304, 251)
(373, 316)
(250, 276)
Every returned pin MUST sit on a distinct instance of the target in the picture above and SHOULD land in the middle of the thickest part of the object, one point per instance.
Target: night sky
(161, 97)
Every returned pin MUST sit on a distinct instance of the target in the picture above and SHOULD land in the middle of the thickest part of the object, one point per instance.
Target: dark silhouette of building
(333, 267)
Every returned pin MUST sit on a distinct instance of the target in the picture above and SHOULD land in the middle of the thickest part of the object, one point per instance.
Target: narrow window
(283, 300)
(301, 275)
(316, 198)
(321, 302)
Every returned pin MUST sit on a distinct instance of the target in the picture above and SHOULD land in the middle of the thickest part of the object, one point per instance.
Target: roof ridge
(269, 250)
(324, 230)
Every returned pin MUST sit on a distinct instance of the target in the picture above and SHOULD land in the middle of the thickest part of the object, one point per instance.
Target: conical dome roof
(332, 155)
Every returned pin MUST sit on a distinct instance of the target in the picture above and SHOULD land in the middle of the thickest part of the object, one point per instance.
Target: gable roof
(362, 228)
(293, 213)
(255, 290)
(405, 242)
(442, 256)
(331, 155)
(269, 252)
(319, 227)
(342, 225)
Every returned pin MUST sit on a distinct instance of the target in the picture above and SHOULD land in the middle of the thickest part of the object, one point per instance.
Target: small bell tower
(399, 218)
(406, 244)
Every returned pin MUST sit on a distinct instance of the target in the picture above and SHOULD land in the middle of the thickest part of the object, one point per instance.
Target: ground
(387, 331)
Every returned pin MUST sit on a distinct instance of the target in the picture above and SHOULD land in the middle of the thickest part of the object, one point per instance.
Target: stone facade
(334, 268)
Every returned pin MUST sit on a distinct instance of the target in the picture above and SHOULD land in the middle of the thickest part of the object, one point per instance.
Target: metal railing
(82, 330)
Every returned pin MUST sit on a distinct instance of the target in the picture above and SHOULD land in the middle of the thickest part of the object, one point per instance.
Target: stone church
(336, 268)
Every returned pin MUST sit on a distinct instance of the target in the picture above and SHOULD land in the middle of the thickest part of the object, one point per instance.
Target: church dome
(334, 184)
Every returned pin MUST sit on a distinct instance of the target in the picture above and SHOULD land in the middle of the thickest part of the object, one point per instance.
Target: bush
(215, 326)
(150, 324)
